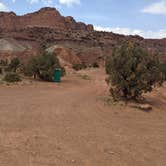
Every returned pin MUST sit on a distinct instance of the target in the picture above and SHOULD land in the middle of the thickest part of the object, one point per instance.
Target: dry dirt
(71, 124)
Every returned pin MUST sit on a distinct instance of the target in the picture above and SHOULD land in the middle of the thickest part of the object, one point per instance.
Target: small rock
(109, 151)
(73, 161)
(145, 107)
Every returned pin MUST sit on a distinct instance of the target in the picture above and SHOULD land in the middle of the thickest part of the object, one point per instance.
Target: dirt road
(71, 124)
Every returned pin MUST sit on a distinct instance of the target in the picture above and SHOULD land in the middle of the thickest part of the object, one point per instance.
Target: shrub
(43, 66)
(78, 67)
(3, 62)
(132, 71)
(12, 77)
(95, 65)
(85, 77)
(63, 71)
(163, 68)
(14, 64)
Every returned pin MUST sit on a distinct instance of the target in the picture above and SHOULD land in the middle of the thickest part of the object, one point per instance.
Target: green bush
(95, 65)
(132, 71)
(163, 68)
(78, 67)
(85, 77)
(14, 64)
(43, 66)
(3, 62)
(12, 77)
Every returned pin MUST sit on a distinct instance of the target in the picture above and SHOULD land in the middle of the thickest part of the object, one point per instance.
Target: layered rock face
(46, 28)
(46, 17)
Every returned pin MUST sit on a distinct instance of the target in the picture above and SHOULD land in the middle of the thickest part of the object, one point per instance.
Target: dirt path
(70, 124)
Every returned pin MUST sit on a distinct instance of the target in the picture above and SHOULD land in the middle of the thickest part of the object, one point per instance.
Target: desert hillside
(32, 33)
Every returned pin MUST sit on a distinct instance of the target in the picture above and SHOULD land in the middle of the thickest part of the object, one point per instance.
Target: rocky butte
(73, 41)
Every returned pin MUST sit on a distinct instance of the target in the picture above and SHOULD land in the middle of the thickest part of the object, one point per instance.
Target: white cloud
(156, 8)
(45, 2)
(3, 7)
(128, 31)
(33, 1)
(69, 3)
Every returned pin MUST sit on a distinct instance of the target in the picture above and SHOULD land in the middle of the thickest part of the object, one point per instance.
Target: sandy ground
(71, 124)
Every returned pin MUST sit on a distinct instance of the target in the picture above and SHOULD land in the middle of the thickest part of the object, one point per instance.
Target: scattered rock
(73, 161)
(144, 107)
(108, 151)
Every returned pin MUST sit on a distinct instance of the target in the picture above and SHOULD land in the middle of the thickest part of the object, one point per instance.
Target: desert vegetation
(14, 65)
(95, 65)
(132, 72)
(163, 68)
(12, 77)
(79, 66)
(9, 70)
(40, 67)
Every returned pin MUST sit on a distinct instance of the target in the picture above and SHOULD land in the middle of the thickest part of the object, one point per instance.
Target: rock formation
(45, 17)
(31, 33)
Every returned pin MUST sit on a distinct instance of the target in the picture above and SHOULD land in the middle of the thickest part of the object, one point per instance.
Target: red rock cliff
(45, 17)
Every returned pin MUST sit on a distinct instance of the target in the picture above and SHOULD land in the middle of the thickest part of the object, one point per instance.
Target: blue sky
(143, 17)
